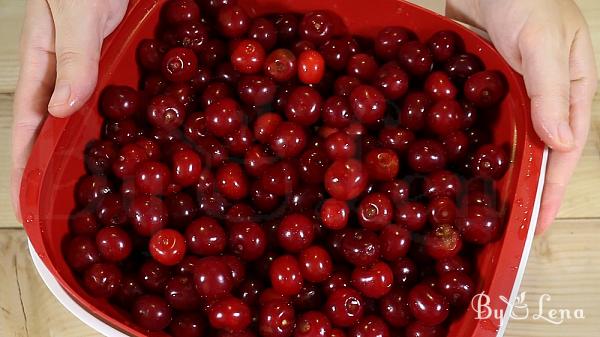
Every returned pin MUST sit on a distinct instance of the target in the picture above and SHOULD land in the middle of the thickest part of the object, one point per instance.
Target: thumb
(545, 62)
(78, 42)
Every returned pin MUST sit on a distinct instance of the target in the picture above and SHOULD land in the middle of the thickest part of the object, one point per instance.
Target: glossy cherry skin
(395, 242)
(212, 278)
(180, 293)
(187, 166)
(256, 90)
(367, 104)
(373, 281)
(445, 116)
(360, 247)
(394, 308)
(443, 241)
(165, 112)
(178, 11)
(442, 184)
(336, 54)
(346, 179)
(392, 81)
(315, 264)
(313, 163)
(334, 214)
(91, 188)
(427, 305)
(167, 246)
(285, 275)
(489, 161)
(412, 215)
(152, 177)
(295, 232)
(304, 106)
(110, 210)
(310, 297)
(388, 41)
(151, 312)
(426, 155)
(276, 319)
(375, 211)
(313, 324)
(460, 67)
(405, 272)
(340, 145)
(441, 210)
(415, 57)
(153, 276)
(188, 325)
(344, 85)
(382, 164)
(147, 214)
(456, 263)
(205, 237)
(114, 244)
(439, 86)
(311, 67)
(362, 66)
(179, 64)
(120, 102)
(413, 110)
(318, 26)
(223, 117)
(336, 112)
(265, 126)
(344, 307)
(232, 21)
(479, 225)
(248, 57)
(485, 88)
(289, 140)
(370, 326)
(263, 30)
(230, 313)
(149, 53)
(99, 156)
(83, 222)
(281, 65)
(397, 190)
(247, 240)
(418, 329)
(232, 181)
(445, 44)
(102, 279)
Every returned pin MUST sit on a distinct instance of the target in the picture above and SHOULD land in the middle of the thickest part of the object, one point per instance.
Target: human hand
(60, 50)
(548, 42)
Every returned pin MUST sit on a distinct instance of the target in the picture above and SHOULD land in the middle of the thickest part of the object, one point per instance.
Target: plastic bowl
(57, 158)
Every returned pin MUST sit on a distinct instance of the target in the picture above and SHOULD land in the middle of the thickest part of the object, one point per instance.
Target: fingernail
(565, 134)
(61, 95)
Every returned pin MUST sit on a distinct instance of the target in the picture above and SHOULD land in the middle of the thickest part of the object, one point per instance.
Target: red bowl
(56, 161)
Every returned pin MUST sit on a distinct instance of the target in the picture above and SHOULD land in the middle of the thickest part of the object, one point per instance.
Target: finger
(78, 41)
(561, 165)
(545, 66)
(36, 80)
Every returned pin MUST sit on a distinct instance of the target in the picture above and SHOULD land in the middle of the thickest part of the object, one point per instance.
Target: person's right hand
(60, 50)
(548, 42)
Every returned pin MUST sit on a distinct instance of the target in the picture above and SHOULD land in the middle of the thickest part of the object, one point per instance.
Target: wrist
(467, 11)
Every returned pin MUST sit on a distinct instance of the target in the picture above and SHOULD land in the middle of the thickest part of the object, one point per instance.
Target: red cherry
(334, 214)
(247, 240)
(232, 21)
(256, 90)
(389, 39)
(188, 325)
(370, 326)
(445, 116)
(311, 67)
(288, 140)
(415, 57)
(360, 247)
(441, 210)
(382, 164)
(485, 88)
(375, 211)
(489, 161)
(263, 31)
(394, 308)
(443, 241)
(151, 312)
(346, 179)
(102, 279)
(232, 181)
(426, 155)
(418, 329)
(212, 278)
(315, 264)
(152, 177)
(392, 81)
(281, 65)
(313, 324)
(179, 64)
(120, 102)
(395, 242)
(276, 319)
(295, 232)
(147, 214)
(223, 117)
(187, 167)
(114, 244)
(205, 236)
(367, 103)
(457, 287)
(373, 281)
(445, 44)
(180, 293)
(439, 86)
(230, 314)
(167, 246)
(412, 215)
(362, 66)
(285, 275)
(345, 307)
(304, 105)
(427, 305)
(479, 225)
(248, 57)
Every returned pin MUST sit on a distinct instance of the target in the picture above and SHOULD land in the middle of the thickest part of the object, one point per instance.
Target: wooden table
(564, 262)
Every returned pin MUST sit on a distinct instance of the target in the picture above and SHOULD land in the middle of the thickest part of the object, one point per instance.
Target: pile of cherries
(277, 176)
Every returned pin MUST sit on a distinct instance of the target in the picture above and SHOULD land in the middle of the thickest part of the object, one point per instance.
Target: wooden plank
(27, 307)
(562, 264)
(7, 218)
(11, 20)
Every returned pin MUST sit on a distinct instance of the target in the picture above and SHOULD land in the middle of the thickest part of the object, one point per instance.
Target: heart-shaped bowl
(56, 161)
